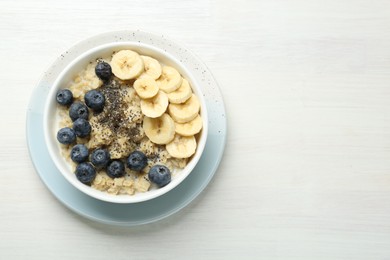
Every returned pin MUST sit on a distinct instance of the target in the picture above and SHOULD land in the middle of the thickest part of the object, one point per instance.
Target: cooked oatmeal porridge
(127, 123)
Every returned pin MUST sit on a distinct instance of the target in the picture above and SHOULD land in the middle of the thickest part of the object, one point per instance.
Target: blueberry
(94, 99)
(160, 175)
(81, 127)
(64, 97)
(116, 169)
(100, 157)
(85, 173)
(137, 161)
(78, 110)
(66, 135)
(103, 70)
(79, 153)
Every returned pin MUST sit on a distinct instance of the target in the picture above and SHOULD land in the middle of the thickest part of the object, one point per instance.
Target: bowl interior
(51, 119)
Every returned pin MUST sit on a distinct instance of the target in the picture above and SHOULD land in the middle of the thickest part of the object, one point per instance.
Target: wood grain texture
(306, 171)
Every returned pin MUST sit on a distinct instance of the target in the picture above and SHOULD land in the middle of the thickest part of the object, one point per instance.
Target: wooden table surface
(306, 169)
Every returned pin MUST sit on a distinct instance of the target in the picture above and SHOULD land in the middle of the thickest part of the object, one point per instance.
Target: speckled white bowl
(51, 124)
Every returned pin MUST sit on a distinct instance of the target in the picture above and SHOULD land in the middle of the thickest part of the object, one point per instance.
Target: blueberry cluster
(88, 163)
(79, 113)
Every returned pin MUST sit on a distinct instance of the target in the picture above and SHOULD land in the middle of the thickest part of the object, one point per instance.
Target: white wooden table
(306, 170)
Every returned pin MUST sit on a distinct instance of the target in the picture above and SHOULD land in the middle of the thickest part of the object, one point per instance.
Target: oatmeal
(127, 123)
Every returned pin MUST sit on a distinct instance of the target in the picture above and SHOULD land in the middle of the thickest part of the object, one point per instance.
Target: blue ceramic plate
(143, 212)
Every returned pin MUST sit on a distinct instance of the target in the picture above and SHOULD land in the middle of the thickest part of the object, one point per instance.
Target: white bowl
(51, 123)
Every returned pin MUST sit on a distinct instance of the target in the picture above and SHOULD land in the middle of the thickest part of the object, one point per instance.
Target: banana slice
(183, 113)
(146, 87)
(182, 146)
(155, 106)
(191, 128)
(182, 94)
(159, 130)
(127, 64)
(170, 79)
(152, 67)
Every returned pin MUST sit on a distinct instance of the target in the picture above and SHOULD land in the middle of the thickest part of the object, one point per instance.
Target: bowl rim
(123, 198)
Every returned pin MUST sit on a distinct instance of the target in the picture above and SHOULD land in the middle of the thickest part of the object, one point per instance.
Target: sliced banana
(182, 146)
(146, 87)
(170, 79)
(155, 106)
(182, 94)
(152, 67)
(190, 128)
(183, 113)
(127, 64)
(160, 130)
